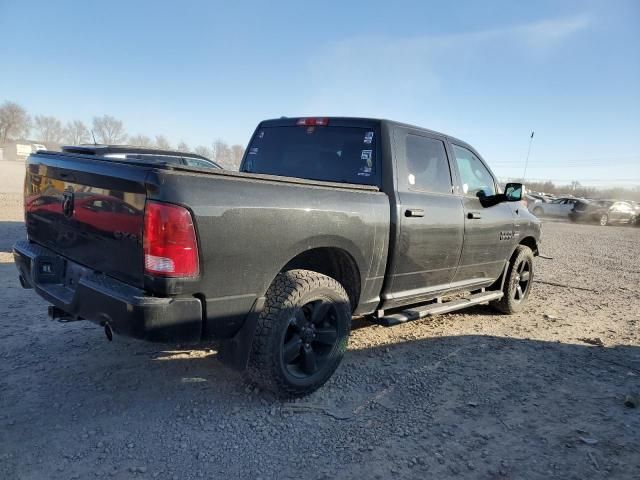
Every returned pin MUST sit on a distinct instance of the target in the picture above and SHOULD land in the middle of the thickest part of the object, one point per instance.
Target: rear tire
(518, 283)
(537, 212)
(301, 335)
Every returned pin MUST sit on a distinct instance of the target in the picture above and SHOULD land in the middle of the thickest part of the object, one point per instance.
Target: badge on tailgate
(67, 202)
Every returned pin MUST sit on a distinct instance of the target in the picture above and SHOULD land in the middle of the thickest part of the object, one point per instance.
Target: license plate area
(48, 269)
(73, 274)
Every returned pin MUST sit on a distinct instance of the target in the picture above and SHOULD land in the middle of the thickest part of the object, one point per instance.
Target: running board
(438, 308)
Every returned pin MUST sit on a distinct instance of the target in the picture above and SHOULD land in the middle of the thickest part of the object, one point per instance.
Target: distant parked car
(560, 207)
(531, 201)
(143, 155)
(539, 196)
(636, 210)
(604, 212)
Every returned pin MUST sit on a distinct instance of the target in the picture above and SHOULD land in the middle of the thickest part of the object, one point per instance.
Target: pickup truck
(327, 219)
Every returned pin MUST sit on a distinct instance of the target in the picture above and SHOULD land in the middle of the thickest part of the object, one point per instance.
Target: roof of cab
(357, 122)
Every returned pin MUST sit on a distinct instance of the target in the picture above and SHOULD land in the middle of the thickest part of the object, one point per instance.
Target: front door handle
(414, 212)
(474, 215)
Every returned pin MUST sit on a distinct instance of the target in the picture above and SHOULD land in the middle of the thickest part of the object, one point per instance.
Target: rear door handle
(414, 212)
(473, 215)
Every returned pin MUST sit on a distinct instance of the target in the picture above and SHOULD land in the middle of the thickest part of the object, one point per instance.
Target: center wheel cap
(308, 334)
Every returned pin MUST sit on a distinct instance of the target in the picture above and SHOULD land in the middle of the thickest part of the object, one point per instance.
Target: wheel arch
(333, 262)
(530, 242)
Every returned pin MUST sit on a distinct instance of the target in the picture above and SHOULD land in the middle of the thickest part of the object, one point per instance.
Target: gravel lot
(465, 395)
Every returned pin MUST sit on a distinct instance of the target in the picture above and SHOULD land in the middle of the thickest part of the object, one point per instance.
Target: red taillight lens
(170, 246)
(313, 122)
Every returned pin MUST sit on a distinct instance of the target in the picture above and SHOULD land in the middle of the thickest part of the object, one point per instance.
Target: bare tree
(162, 142)
(14, 122)
(109, 130)
(237, 152)
(48, 128)
(140, 141)
(222, 153)
(76, 133)
(204, 151)
(183, 147)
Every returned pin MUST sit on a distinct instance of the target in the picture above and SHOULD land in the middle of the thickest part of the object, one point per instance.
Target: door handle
(474, 215)
(414, 212)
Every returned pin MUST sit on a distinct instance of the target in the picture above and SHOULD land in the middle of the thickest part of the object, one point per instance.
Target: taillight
(169, 240)
(313, 122)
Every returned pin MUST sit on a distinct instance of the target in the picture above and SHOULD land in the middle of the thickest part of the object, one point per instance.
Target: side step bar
(438, 308)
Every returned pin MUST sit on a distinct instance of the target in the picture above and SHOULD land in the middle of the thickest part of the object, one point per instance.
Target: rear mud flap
(234, 352)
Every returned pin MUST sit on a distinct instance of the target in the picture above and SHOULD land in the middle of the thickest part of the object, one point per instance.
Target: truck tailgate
(89, 211)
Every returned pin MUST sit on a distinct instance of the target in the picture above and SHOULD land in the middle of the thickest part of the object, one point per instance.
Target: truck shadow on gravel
(11, 231)
(443, 405)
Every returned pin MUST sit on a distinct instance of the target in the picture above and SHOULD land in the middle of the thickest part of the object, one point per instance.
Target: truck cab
(445, 232)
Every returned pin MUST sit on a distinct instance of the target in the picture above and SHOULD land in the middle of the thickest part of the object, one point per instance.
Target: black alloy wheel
(310, 337)
(516, 286)
(521, 280)
(302, 333)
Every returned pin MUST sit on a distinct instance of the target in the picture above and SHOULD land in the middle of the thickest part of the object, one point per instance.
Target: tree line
(16, 124)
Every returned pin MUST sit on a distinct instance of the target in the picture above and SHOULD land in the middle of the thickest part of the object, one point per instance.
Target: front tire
(301, 335)
(518, 283)
(604, 220)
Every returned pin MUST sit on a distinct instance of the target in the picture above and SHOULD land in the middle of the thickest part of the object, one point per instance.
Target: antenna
(526, 162)
(96, 143)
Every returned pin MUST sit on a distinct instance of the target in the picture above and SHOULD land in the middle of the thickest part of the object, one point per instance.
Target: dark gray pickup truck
(327, 219)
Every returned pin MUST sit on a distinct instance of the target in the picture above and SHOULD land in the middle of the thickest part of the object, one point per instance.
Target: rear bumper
(85, 294)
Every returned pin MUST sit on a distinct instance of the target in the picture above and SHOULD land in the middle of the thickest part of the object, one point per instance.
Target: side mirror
(514, 192)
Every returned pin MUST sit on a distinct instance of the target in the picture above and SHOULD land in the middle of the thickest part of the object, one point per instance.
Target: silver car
(560, 207)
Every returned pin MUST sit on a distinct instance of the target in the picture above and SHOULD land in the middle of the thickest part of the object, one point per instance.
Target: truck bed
(248, 226)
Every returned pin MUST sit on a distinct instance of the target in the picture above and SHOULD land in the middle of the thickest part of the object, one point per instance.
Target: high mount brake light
(313, 122)
(169, 241)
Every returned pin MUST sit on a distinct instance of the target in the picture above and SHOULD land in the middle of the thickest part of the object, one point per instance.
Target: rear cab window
(326, 152)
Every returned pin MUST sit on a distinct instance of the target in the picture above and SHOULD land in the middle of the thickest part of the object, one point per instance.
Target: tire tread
(284, 293)
(506, 304)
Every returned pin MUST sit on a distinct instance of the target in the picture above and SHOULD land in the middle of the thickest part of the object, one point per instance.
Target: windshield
(334, 154)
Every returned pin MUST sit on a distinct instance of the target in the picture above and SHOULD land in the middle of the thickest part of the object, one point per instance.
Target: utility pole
(526, 162)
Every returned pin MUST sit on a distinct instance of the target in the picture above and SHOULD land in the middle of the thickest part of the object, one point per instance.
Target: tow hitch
(60, 315)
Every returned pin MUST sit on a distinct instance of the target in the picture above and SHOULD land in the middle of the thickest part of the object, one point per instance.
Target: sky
(487, 72)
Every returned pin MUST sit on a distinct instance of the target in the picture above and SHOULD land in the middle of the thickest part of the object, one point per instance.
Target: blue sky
(487, 72)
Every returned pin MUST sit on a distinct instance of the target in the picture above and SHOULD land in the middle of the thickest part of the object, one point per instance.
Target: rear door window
(334, 154)
(427, 164)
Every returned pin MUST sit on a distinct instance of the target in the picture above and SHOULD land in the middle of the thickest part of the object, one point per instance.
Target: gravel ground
(470, 394)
